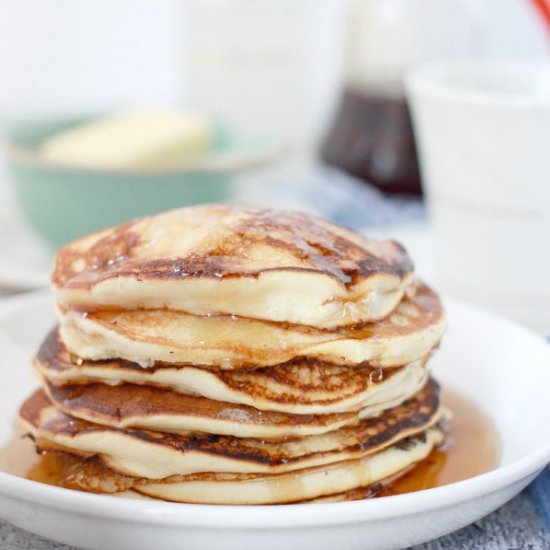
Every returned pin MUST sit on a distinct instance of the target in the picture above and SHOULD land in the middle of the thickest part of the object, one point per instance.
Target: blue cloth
(351, 202)
(539, 493)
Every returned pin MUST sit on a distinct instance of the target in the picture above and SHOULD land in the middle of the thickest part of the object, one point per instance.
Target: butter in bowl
(73, 176)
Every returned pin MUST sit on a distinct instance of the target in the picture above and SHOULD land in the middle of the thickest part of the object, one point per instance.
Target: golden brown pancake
(300, 386)
(310, 484)
(76, 472)
(407, 335)
(225, 259)
(128, 406)
(155, 455)
(333, 481)
(138, 406)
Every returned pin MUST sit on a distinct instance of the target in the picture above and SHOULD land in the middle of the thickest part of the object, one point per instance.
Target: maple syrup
(20, 458)
(372, 139)
(471, 448)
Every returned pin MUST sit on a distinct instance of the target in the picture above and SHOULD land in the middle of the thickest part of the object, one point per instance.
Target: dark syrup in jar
(372, 138)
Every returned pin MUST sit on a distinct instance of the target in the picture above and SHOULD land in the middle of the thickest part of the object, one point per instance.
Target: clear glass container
(372, 136)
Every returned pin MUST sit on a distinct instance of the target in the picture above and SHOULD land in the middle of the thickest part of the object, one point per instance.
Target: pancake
(89, 474)
(232, 342)
(287, 488)
(152, 408)
(336, 481)
(128, 405)
(301, 386)
(224, 259)
(154, 455)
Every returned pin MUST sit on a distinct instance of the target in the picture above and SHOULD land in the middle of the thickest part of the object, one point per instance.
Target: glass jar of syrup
(371, 136)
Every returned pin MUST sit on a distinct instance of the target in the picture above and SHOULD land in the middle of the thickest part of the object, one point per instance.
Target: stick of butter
(143, 138)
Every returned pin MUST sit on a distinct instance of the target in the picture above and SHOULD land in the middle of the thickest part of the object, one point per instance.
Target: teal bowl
(65, 202)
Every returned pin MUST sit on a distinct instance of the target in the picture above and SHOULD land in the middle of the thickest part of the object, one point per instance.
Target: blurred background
(64, 58)
(294, 103)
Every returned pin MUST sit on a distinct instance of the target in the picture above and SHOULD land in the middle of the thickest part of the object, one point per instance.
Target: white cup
(483, 131)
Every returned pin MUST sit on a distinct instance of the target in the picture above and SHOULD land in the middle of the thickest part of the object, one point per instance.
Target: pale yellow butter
(141, 138)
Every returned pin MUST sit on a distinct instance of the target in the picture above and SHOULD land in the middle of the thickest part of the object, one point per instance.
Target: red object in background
(372, 138)
(544, 9)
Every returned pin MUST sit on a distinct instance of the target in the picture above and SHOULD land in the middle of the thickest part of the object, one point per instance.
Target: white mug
(483, 132)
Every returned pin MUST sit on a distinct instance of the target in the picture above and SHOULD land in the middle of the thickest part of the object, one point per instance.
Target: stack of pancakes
(231, 355)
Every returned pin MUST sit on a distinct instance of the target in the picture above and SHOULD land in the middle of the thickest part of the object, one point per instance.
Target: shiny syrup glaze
(471, 448)
(312, 244)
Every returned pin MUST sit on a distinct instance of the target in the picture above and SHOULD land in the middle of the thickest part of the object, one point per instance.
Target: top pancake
(223, 259)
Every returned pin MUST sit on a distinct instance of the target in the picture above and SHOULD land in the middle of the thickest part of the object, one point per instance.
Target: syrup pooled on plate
(471, 448)
(20, 458)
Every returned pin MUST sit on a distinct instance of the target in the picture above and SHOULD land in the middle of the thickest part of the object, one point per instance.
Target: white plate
(503, 368)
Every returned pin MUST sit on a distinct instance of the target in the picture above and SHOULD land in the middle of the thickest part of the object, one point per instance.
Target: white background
(71, 56)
